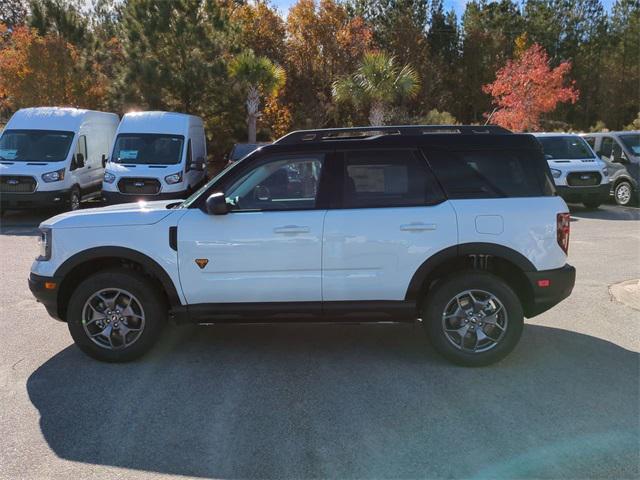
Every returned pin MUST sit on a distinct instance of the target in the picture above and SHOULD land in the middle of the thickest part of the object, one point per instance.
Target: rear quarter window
(491, 174)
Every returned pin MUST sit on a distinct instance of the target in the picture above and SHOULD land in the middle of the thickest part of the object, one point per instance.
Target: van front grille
(17, 184)
(139, 186)
(583, 179)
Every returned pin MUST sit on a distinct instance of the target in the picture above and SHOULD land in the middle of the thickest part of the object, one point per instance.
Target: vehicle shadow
(348, 402)
(608, 212)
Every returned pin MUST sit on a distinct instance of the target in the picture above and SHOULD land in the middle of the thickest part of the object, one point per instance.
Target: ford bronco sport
(459, 227)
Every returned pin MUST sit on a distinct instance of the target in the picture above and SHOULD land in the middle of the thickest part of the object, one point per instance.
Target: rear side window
(491, 174)
(387, 178)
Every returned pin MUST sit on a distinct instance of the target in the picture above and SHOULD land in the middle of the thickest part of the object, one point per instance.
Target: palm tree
(257, 76)
(378, 82)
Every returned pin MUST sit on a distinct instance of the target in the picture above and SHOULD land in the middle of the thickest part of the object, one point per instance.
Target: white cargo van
(155, 155)
(51, 156)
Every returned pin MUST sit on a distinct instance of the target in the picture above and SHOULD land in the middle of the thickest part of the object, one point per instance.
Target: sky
(457, 5)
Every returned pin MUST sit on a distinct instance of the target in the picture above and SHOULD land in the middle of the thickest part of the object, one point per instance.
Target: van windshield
(565, 147)
(35, 145)
(632, 142)
(148, 149)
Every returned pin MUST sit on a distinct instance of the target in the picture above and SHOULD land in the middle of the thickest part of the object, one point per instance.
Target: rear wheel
(116, 315)
(473, 318)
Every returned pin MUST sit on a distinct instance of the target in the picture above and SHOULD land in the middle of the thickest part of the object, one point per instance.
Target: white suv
(459, 227)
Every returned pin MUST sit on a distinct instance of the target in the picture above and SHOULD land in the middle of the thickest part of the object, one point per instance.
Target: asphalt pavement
(317, 401)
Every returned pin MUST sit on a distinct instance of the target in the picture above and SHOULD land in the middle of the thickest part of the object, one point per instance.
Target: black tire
(620, 194)
(446, 291)
(153, 305)
(592, 204)
(74, 199)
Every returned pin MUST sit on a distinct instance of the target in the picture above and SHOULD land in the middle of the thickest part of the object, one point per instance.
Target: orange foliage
(276, 116)
(261, 29)
(527, 87)
(45, 70)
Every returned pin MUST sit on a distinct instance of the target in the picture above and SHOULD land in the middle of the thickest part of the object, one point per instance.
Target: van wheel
(623, 193)
(116, 315)
(592, 204)
(473, 318)
(74, 199)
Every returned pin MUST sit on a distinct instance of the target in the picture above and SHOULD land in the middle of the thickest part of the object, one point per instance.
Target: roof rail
(327, 134)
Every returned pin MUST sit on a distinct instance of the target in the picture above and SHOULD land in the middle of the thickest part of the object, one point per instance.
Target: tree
(44, 70)
(13, 13)
(527, 87)
(378, 82)
(257, 76)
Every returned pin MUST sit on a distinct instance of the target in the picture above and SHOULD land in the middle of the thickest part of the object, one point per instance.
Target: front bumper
(112, 198)
(46, 296)
(34, 200)
(549, 287)
(581, 194)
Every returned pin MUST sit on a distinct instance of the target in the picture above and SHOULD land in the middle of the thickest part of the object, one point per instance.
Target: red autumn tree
(527, 87)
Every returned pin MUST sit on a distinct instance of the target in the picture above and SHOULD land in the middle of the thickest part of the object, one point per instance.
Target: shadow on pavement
(345, 401)
(24, 222)
(608, 212)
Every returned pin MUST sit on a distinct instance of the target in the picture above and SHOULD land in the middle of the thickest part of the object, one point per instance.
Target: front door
(392, 217)
(268, 248)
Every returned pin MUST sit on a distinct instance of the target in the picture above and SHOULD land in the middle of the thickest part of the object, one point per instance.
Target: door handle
(417, 227)
(291, 229)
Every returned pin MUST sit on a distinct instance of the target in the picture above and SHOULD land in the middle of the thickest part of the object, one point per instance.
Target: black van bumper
(582, 194)
(10, 201)
(45, 289)
(549, 288)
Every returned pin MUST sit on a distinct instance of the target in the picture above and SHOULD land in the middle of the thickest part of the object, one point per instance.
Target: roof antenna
(490, 116)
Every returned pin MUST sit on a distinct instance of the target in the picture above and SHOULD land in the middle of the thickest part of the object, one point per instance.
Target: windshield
(565, 147)
(35, 145)
(147, 149)
(632, 142)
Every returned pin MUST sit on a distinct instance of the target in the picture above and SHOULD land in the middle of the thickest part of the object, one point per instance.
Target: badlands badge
(202, 262)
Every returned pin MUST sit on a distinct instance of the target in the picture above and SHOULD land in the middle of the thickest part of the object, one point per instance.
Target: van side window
(391, 178)
(606, 147)
(82, 147)
(189, 153)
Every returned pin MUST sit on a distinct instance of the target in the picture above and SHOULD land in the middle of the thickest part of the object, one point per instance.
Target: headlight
(53, 176)
(175, 178)
(45, 245)
(556, 173)
(109, 177)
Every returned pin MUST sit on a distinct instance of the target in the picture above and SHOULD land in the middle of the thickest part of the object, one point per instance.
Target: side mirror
(198, 165)
(79, 160)
(217, 204)
(624, 158)
(104, 161)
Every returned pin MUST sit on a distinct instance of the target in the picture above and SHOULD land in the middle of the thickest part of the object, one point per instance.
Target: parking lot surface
(344, 401)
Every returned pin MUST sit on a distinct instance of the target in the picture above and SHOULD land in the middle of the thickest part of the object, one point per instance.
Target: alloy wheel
(623, 193)
(474, 321)
(113, 318)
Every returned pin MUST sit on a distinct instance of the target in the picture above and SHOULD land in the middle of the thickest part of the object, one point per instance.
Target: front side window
(392, 178)
(279, 183)
(82, 146)
(491, 174)
(632, 142)
(565, 147)
(148, 149)
(35, 145)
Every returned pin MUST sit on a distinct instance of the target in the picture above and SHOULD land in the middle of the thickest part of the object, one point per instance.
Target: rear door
(389, 217)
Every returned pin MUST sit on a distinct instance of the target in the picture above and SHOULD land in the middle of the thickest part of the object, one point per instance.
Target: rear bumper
(117, 197)
(581, 194)
(549, 288)
(46, 296)
(34, 200)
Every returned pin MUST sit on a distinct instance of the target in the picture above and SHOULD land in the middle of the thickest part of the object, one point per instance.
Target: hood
(128, 214)
(577, 165)
(143, 170)
(34, 168)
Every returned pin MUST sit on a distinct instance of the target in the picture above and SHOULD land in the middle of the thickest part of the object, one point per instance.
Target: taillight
(563, 224)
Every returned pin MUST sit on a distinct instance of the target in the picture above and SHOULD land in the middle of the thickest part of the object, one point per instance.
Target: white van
(51, 156)
(579, 175)
(155, 155)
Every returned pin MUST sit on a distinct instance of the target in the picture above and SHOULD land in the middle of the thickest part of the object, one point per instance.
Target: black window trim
(337, 199)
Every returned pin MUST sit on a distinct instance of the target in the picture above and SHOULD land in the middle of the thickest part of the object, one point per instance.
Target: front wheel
(116, 315)
(623, 193)
(473, 318)
(74, 199)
